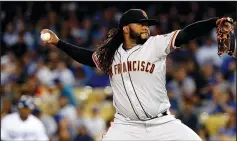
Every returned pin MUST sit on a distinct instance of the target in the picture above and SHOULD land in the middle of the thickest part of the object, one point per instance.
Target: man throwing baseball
(136, 64)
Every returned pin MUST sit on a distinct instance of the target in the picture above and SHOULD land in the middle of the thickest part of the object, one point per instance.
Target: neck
(23, 117)
(128, 44)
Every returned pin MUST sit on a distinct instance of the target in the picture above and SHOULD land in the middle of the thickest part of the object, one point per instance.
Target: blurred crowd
(201, 85)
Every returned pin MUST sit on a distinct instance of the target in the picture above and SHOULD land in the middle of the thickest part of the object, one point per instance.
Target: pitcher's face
(139, 32)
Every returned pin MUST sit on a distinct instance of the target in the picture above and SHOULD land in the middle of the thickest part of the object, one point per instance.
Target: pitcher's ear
(125, 29)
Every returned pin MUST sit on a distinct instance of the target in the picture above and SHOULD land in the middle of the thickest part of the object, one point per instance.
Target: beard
(138, 37)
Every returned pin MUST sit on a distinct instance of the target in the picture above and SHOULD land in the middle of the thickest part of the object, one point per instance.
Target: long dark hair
(106, 49)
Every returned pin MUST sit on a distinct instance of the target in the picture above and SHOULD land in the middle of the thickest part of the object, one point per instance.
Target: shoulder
(35, 120)
(169, 35)
(10, 116)
(158, 39)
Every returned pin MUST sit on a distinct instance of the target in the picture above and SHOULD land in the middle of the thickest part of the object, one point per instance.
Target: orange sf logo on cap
(144, 13)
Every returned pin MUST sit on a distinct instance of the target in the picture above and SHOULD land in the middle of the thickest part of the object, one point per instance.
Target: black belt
(165, 113)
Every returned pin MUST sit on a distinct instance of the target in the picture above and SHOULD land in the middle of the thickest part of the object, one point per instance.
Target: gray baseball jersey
(138, 78)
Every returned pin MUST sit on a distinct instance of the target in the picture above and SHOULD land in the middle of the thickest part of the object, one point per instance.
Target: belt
(165, 113)
(158, 116)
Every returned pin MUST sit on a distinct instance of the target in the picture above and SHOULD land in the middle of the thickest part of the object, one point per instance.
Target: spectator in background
(220, 102)
(20, 47)
(203, 133)
(208, 53)
(233, 86)
(95, 124)
(48, 121)
(83, 32)
(226, 104)
(82, 134)
(5, 64)
(9, 73)
(82, 75)
(65, 32)
(22, 125)
(43, 73)
(174, 109)
(193, 47)
(29, 64)
(207, 72)
(53, 57)
(42, 51)
(53, 21)
(69, 113)
(194, 72)
(221, 82)
(96, 38)
(188, 116)
(27, 36)
(63, 131)
(67, 110)
(41, 23)
(64, 74)
(228, 68)
(229, 131)
(107, 18)
(66, 91)
(80, 118)
(182, 84)
(10, 36)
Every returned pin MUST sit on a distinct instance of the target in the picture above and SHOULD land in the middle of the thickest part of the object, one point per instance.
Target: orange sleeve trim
(95, 59)
(172, 40)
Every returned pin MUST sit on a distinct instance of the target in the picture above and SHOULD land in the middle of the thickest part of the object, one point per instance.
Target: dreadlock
(106, 49)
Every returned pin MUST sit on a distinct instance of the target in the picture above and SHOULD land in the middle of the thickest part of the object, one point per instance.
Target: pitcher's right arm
(81, 55)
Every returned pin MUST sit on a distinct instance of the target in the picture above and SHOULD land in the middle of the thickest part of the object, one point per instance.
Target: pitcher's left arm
(225, 33)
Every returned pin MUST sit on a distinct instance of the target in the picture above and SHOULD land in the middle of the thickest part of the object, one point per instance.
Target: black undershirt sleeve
(81, 55)
(194, 30)
(84, 56)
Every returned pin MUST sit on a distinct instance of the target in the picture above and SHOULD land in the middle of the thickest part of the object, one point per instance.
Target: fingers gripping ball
(45, 36)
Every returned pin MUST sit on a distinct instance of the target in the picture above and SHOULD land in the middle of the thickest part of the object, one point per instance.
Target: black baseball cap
(136, 16)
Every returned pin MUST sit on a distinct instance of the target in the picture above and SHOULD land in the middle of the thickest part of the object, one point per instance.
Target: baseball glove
(226, 36)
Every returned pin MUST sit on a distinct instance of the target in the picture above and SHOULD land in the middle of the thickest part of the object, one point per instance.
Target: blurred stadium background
(75, 101)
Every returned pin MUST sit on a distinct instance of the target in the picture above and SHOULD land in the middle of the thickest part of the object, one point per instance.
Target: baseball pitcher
(136, 64)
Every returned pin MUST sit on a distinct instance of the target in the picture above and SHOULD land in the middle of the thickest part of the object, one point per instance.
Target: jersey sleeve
(96, 61)
(164, 44)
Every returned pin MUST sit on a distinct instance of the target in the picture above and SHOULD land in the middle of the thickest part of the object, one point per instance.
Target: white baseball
(45, 36)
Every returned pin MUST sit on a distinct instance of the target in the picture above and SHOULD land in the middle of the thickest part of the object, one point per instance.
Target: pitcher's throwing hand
(53, 37)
